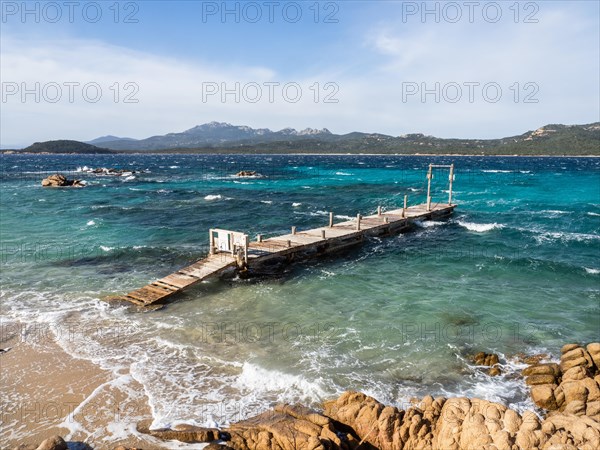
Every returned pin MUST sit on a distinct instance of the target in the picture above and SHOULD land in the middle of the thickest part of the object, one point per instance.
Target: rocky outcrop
(289, 427)
(183, 433)
(569, 391)
(357, 421)
(247, 173)
(58, 180)
(573, 386)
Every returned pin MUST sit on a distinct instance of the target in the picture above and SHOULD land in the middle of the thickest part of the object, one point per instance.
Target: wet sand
(44, 392)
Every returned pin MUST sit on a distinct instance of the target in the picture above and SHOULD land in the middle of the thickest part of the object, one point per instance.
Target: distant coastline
(459, 155)
(224, 138)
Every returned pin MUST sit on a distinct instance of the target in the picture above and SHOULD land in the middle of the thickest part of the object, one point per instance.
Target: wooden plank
(133, 300)
(160, 289)
(145, 295)
(178, 280)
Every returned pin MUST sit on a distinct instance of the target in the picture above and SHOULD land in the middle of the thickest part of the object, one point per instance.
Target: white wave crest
(261, 380)
(210, 198)
(428, 223)
(480, 227)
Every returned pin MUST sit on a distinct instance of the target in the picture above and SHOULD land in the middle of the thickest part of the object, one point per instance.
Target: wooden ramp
(230, 249)
(159, 290)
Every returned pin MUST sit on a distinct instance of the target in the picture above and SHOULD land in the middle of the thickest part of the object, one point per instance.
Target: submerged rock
(109, 171)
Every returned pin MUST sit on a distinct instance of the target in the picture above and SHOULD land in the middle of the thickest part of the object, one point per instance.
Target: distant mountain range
(210, 134)
(216, 137)
(108, 138)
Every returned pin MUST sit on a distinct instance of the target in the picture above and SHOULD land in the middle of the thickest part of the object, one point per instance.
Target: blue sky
(357, 66)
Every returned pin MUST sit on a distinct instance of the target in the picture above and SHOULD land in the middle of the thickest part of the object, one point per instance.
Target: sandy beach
(47, 392)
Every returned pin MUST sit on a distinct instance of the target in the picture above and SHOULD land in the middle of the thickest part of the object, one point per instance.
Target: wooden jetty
(233, 250)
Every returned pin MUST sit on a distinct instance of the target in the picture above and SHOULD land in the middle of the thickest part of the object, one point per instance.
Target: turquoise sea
(516, 269)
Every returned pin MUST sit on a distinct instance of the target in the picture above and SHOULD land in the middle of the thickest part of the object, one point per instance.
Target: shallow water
(517, 269)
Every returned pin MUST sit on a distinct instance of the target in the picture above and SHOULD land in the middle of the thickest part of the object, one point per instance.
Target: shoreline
(46, 392)
(41, 414)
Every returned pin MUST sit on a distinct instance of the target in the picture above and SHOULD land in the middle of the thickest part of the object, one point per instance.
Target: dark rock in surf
(247, 173)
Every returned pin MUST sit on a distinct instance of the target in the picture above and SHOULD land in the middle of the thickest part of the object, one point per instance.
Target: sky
(80, 70)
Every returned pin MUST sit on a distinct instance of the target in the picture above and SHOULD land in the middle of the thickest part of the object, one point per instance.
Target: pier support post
(259, 238)
(211, 243)
(429, 177)
(293, 230)
(451, 179)
(386, 220)
(358, 217)
(330, 220)
(404, 208)
(379, 210)
(289, 243)
(323, 234)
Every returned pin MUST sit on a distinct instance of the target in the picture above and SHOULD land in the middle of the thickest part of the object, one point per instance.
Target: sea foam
(480, 227)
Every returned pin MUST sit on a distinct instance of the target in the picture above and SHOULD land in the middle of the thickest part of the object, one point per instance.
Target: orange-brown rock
(542, 369)
(485, 359)
(182, 433)
(575, 390)
(288, 428)
(594, 352)
(567, 348)
(540, 379)
(543, 396)
(58, 180)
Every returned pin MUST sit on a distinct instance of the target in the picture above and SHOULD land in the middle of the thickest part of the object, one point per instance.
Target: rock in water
(58, 180)
(246, 173)
(488, 359)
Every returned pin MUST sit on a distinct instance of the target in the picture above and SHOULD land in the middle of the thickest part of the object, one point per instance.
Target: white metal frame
(236, 240)
(430, 177)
